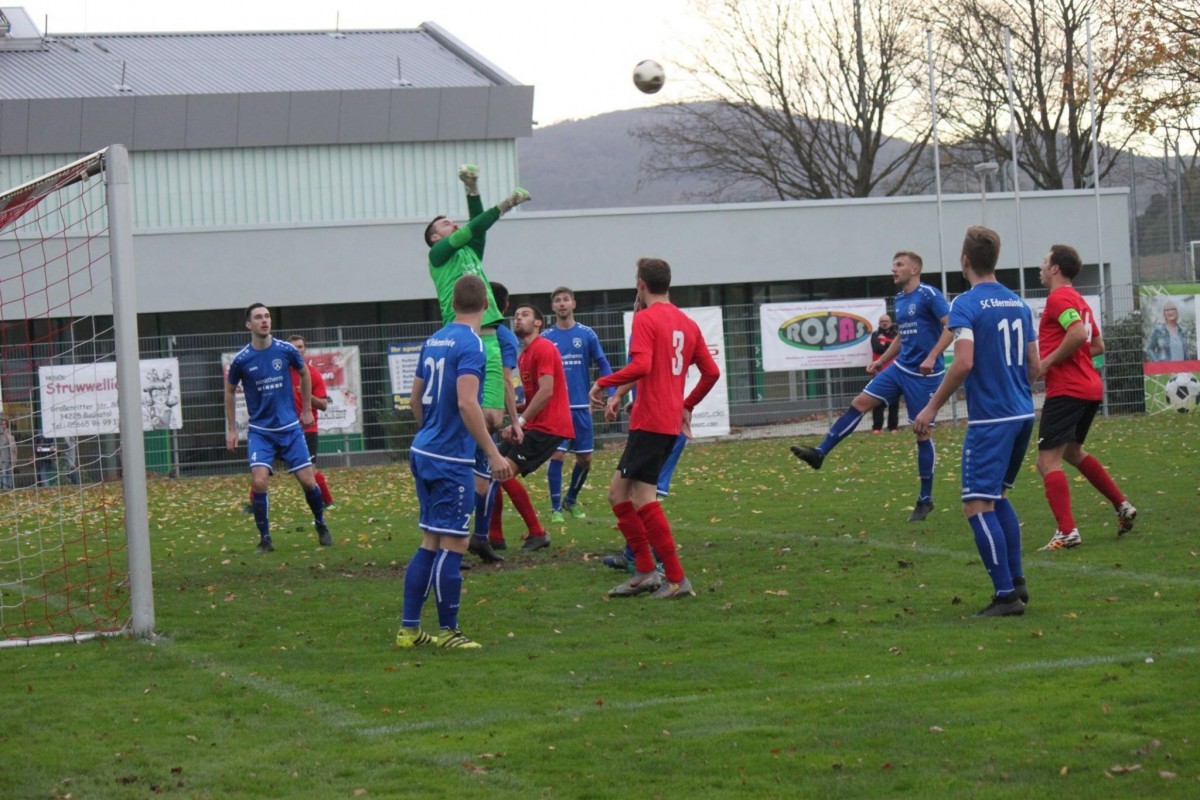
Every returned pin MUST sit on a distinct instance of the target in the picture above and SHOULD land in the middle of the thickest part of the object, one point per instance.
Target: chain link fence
(760, 403)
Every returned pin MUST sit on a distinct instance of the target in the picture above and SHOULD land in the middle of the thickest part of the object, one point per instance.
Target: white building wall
(533, 252)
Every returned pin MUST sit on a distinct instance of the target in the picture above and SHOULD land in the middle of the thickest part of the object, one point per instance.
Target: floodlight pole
(125, 334)
(983, 170)
(937, 156)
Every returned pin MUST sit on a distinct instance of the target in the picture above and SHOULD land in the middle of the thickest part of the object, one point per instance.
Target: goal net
(74, 541)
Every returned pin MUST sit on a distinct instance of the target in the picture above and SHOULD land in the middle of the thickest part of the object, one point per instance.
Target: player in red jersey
(664, 344)
(546, 417)
(320, 402)
(1069, 337)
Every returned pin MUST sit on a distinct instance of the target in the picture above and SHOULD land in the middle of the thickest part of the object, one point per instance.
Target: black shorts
(310, 439)
(644, 455)
(1064, 420)
(532, 452)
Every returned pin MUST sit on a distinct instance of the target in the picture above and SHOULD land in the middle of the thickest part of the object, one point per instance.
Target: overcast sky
(578, 56)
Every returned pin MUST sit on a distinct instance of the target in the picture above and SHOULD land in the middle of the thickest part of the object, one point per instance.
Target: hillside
(597, 163)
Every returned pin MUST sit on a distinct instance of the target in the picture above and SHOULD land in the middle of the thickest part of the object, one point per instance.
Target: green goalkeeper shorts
(493, 379)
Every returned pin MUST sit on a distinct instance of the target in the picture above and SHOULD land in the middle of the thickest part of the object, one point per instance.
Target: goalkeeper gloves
(515, 199)
(469, 175)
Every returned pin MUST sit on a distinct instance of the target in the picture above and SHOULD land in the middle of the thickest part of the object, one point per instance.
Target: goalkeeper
(455, 251)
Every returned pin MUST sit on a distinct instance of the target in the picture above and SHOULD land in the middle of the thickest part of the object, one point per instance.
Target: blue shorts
(288, 445)
(894, 383)
(446, 494)
(991, 457)
(584, 442)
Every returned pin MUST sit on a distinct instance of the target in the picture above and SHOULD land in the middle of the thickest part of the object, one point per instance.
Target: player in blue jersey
(996, 359)
(580, 349)
(915, 374)
(263, 368)
(446, 402)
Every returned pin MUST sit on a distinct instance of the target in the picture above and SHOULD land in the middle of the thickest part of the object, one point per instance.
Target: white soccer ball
(1183, 392)
(648, 76)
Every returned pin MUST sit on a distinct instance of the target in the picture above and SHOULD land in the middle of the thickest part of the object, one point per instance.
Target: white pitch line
(862, 682)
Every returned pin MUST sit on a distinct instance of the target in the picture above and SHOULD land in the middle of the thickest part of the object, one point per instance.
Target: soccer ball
(1183, 391)
(648, 76)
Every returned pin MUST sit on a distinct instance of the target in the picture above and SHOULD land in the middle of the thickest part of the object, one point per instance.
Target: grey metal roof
(173, 64)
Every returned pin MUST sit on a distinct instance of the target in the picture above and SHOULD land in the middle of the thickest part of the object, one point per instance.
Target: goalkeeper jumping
(455, 251)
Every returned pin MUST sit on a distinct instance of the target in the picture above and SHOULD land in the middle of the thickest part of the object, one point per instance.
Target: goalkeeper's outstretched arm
(472, 234)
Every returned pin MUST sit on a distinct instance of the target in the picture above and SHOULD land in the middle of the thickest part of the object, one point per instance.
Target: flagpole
(1095, 167)
(937, 157)
(1016, 170)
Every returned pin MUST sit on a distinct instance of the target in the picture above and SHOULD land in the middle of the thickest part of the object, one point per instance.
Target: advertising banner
(81, 399)
(402, 368)
(825, 334)
(339, 366)
(1170, 346)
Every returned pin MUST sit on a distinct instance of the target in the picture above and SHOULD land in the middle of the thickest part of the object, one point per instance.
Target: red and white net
(63, 567)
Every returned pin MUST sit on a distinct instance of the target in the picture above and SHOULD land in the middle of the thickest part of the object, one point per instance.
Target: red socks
(520, 500)
(658, 531)
(495, 524)
(325, 495)
(634, 531)
(1058, 493)
(1094, 471)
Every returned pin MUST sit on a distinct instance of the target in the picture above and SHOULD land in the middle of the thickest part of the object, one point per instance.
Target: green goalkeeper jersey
(461, 253)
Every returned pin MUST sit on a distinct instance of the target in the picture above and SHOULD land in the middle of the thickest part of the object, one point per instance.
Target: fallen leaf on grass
(1162, 773)
(1124, 769)
(777, 593)
(936, 729)
(475, 768)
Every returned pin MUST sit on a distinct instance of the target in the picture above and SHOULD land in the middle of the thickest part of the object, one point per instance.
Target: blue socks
(1011, 526)
(315, 502)
(417, 579)
(844, 426)
(925, 460)
(554, 469)
(990, 541)
(447, 583)
(483, 509)
(578, 476)
(259, 501)
(554, 473)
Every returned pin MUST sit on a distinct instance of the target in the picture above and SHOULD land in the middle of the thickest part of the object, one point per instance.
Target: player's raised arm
(444, 247)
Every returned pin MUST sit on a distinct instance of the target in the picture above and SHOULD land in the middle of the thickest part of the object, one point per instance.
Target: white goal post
(76, 252)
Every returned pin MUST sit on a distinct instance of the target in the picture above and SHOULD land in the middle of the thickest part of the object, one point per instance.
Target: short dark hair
(981, 246)
(250, 309)
(561, 290)
(911, 256)
(470, 294)
(537, 312)
(429, 229)
(655, 273)
(295, 337)
(1066, 258)
(500, 295)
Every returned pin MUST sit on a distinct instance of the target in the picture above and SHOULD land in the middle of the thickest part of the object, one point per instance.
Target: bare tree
(1050, 87)
(801, 100)
(1167, 48)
